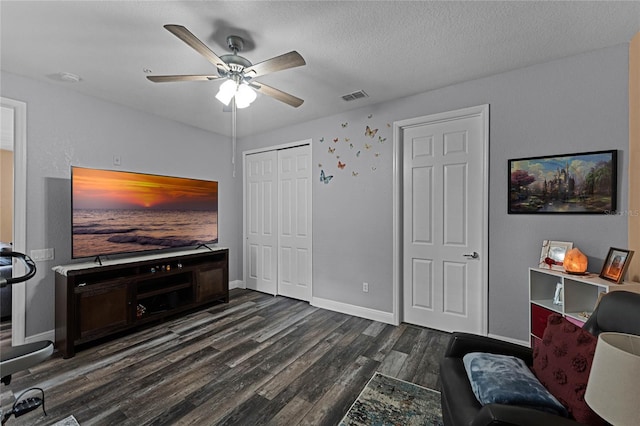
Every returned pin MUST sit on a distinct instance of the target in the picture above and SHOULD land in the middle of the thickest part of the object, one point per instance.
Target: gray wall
(575, 104)
(569, 105)
(65, 128)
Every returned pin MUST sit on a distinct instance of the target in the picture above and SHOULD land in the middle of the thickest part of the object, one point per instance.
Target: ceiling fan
(238, 72)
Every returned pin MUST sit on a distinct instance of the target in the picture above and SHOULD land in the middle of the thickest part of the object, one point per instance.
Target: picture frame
(616, 264)
(581, 183)
(552, 254)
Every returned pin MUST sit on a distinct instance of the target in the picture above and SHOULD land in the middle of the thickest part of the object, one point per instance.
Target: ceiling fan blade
(172, 78)
(277, 94)
(279, 63)
(185, 35)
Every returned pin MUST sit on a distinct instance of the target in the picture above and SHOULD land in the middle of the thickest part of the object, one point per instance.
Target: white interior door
(445, 220)
(294, 222)
(261, 210)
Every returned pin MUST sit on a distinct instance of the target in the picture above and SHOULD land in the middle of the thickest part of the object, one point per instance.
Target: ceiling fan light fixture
(245, 96)
(240, 104)
(226, 92)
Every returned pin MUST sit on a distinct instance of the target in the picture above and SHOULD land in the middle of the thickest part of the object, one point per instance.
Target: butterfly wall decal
(358, 154)
(341, 165)
(369, 132)
(322, 139)
(367, 146)
(335, 140)
(381, 139)
(324, 178)
(354, 174)
(331, 150)
(344, 125)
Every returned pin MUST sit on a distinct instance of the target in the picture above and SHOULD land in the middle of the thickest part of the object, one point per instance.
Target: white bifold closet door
(278, 222)
(261, 211)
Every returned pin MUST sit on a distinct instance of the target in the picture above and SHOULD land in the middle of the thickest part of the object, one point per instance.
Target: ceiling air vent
(355, 95)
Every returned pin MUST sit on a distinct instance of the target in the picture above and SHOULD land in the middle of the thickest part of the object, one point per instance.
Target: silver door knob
(473, 255)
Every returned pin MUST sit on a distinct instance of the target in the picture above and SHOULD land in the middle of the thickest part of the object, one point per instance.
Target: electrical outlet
(365, 287)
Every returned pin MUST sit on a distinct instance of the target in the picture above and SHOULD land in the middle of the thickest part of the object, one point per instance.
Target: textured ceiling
(388, 49)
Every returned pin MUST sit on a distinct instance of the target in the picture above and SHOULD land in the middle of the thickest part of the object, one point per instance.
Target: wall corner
(634, 157)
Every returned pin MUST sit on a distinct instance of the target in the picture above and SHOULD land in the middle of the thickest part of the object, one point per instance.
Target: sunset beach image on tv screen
(120, 212)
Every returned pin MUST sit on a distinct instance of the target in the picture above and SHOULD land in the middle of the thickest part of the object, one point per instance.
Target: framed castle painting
(582, 183)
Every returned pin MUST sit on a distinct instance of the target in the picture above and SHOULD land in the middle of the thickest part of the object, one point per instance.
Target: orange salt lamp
(575, 262)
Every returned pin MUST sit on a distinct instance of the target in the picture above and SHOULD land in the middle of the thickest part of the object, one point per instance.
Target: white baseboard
(46, 335)
(357, 311)
(511, 340)
(236, 284)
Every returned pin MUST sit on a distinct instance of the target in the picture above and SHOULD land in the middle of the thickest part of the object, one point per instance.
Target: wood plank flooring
(257, 360)
(5, 333)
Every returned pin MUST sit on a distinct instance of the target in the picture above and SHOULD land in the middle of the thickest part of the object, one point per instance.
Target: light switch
(42, 254)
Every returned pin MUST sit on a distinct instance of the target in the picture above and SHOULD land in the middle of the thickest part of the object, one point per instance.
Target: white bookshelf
(578, 295)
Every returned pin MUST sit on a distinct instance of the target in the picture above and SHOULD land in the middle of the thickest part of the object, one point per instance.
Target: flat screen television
(115, 212)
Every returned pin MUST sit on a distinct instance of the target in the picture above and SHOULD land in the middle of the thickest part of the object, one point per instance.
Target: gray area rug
(388, 401)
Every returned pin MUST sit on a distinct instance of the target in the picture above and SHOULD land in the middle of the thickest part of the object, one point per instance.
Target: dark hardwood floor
(257, 360)
(5, 333)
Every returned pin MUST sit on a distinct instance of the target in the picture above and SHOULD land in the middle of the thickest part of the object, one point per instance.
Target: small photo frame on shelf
(552, 255)
(616, 264)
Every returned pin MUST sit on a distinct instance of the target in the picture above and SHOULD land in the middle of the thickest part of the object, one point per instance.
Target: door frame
(398, 127)
(19, 291)
(244, 206)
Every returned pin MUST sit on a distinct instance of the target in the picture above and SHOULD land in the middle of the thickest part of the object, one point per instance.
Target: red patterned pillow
(562, 362)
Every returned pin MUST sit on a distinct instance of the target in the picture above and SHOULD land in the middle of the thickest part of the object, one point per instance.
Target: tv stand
(94, 302)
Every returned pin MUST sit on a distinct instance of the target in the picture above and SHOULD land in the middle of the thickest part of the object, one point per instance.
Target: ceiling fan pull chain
(233, 137)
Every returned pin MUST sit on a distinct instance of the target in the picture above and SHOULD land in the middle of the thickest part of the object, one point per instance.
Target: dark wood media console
(93, 302)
